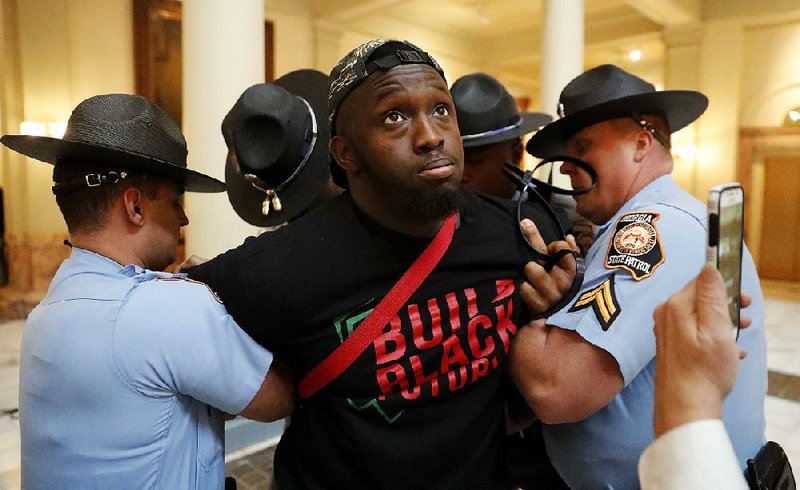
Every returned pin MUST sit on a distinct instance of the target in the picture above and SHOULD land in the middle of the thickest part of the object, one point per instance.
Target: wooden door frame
(755, 145)
(172, 9)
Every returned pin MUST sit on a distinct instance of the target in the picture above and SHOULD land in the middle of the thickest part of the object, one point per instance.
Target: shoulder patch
(636, 245)
(603, 301)
(186, 279)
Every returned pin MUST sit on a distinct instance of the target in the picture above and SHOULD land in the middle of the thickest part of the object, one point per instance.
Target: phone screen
(729, 250)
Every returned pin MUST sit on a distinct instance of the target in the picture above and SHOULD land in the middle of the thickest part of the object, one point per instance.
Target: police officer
(592, 377)
(121, 363)
(491, 129)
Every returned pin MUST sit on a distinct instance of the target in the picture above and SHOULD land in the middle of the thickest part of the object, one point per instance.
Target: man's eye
(441, 110)
(394, 118)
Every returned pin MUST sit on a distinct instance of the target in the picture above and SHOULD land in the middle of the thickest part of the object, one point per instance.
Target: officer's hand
(189, 263)
(544, 289)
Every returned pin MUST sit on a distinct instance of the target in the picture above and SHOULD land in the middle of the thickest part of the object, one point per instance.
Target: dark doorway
(158, 57)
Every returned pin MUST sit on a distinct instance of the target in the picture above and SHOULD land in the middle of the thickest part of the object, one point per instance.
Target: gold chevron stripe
(603, 301)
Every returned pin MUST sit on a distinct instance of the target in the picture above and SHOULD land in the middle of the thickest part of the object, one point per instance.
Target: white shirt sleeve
(697, 455)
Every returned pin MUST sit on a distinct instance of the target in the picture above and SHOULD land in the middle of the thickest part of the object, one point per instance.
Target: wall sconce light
(635, 55)
(792, 118)
(53, 129)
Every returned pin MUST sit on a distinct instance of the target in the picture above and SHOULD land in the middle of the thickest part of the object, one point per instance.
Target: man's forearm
(561, 376)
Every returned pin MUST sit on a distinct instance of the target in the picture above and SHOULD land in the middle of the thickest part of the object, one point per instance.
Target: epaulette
(186, 279)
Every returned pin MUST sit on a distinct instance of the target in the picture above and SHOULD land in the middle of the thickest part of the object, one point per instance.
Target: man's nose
(427, 135)
(184, 219)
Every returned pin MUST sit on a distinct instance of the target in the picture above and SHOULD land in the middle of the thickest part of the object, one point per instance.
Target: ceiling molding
(344, 10)
(292, 7)
(625, 24)
(726, 9)
(668, 12)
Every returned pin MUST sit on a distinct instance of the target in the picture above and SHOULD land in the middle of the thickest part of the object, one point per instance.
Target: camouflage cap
(371, 57)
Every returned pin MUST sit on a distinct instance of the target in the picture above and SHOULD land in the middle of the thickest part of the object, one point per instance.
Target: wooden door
(779, 255)
(158, 56)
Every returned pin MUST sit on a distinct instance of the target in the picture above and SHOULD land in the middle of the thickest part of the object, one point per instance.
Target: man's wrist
(675, 409)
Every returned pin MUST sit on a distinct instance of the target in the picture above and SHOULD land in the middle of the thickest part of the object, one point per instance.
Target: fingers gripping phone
(725, 236)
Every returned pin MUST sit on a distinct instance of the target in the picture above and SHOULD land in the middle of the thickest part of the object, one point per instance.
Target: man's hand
(544, 289)
(189, 263)
(584, 230)
(696, 354)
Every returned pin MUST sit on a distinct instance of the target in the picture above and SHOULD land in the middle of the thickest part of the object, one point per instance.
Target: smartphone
(725, 237)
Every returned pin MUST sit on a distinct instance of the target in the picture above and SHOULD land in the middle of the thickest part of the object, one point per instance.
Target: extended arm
(562, 377)
(275, 399)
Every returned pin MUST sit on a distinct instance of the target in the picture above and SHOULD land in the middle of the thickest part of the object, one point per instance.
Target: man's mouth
(439, 168)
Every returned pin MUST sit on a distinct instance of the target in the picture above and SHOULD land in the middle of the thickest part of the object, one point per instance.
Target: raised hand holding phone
(725, 237)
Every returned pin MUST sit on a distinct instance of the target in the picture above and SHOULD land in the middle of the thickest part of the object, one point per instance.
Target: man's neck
(649, 174)
(395, 223)
(104, 244)
(404, 227)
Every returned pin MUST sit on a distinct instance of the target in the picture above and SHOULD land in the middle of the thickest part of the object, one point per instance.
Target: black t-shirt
(422, 407)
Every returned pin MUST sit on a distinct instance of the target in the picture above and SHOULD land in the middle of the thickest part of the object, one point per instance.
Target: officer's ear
(645, 143)
(516, 151)
(343, 152)
(132, 202)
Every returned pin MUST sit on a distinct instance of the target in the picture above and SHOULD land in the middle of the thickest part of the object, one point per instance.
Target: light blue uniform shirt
(118, 368)
(602, 451)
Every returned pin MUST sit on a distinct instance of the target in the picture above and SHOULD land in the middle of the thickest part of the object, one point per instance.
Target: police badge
(636, 245)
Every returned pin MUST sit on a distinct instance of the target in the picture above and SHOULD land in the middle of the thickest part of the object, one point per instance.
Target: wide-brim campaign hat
(122, 132)
(277, 136)
(609, 92)
(487, 113)
(377, 55)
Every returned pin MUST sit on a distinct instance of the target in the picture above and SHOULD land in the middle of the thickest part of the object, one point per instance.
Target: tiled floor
(253, 471)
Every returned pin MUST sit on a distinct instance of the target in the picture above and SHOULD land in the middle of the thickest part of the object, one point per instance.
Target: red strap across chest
(352, 347)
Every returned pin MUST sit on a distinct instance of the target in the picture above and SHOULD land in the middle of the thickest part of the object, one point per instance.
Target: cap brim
(530, 122)
(679, 107)
(247, 201)
(48, 150)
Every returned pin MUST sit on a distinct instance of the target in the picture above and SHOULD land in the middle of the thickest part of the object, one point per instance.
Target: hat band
(664, 140)
(88, 181)
(272, 193)
(493, 132)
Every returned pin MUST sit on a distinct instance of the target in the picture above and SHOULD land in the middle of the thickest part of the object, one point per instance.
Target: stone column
(223, 54)
(562, 54)
(562, 48)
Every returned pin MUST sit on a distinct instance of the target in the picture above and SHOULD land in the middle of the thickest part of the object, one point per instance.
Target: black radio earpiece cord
(527, 186)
